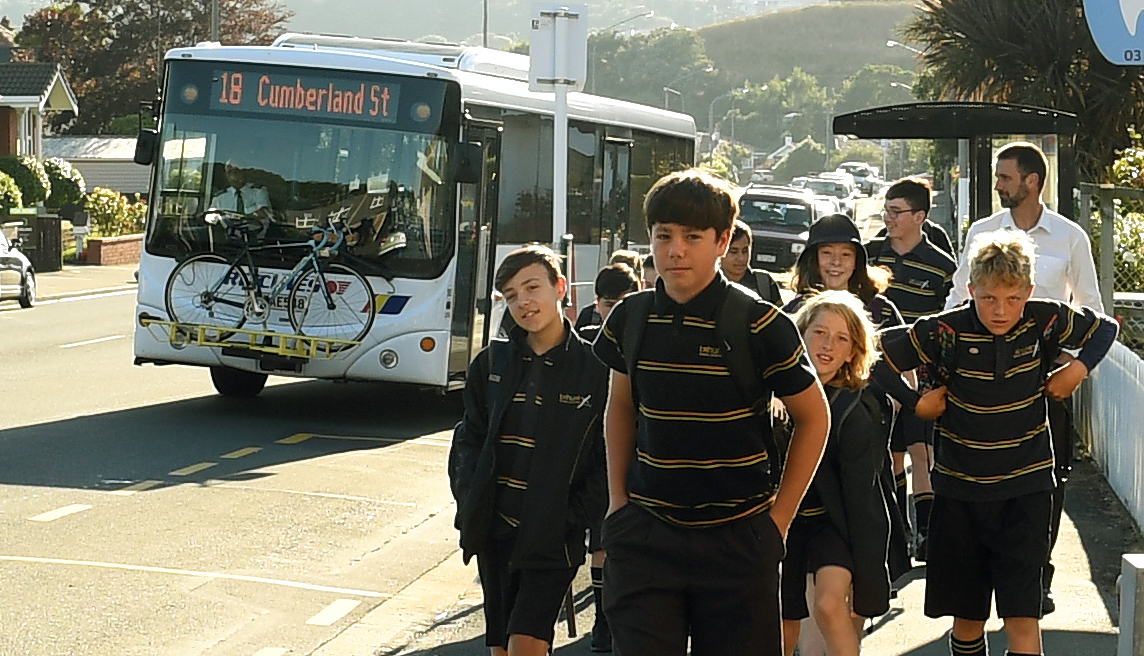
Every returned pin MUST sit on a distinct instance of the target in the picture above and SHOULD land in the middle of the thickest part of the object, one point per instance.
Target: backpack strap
(637, 309)
(764, 282)
(499, 354)
(734, 335)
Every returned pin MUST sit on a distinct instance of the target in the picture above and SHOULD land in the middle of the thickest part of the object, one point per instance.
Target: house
(27, 90)
(103, 161)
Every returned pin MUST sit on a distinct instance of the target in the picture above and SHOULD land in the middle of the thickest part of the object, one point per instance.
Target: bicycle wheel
(206, 290)
(346, 313)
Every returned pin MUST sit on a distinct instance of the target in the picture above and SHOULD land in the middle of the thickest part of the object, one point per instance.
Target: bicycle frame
(254, 294)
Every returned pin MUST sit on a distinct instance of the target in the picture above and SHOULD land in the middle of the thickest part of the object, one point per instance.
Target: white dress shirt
(1065, 270)
(253, 198)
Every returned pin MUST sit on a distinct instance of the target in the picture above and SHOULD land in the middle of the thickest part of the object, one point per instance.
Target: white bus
(430, 161)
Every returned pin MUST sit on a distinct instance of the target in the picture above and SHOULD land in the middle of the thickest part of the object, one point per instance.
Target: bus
(409, 170)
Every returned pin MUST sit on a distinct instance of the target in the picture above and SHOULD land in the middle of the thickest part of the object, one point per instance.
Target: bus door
(615, 192)
(476, 254)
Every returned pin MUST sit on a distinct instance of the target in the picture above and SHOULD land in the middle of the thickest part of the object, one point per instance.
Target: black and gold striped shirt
(700, 456)
(992, 442)
(921, 279)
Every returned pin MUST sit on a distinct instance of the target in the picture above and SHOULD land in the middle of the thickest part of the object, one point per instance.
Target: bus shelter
(973, 125)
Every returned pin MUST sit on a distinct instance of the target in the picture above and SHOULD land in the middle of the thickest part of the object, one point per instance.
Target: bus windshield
(295, 148)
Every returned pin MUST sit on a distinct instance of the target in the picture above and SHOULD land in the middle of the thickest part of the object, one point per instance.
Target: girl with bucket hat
(834, 259)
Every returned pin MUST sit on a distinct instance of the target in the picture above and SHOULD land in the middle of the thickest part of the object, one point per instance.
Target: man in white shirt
(1065, 269)
(1064, 272)
(242, 196)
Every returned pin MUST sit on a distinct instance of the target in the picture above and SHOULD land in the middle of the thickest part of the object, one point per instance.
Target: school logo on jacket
(577, 400)
(709, 351)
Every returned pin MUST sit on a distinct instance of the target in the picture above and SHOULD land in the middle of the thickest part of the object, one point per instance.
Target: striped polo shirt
(921, 279)
(992, 441)
(520, 430)
(701, 458)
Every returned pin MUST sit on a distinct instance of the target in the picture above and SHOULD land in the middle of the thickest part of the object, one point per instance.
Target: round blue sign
(1116, 28)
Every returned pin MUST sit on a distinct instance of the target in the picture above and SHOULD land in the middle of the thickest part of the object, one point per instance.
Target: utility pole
(214, 20)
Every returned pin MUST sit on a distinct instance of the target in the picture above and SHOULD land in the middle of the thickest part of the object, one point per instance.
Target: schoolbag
(732, 333)
(765, 283)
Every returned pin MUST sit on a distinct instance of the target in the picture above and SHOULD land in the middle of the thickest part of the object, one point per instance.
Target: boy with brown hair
(695, 528)
(526, 465)
(736, 265)
(993, 474)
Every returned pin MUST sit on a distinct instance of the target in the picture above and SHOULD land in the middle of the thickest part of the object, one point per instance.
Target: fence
(1109, 416)
(1119, 253)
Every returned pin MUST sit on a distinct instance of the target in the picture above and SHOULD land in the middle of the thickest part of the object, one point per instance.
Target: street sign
(558, 47)
(1116, 29)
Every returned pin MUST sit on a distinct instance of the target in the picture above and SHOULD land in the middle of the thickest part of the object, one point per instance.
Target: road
(142, 514)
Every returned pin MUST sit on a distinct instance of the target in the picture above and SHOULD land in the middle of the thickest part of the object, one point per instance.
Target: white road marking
(327, 495)
(93, 341)
(205, 575)
(192, 469)
(123, 292)
(271, 651)
(241, 452)
(138, 487)
(435, 439)
(60, 512)
(334, 612)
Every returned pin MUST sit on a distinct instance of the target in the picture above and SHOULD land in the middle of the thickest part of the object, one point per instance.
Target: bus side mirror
(468, 163)
(145, 145)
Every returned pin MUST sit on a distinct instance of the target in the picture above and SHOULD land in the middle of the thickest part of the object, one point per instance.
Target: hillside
(830, 41)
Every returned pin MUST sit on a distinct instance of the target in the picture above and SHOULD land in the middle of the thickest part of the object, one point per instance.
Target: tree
(874, 85)
(638, 68)
(111, 50)
(1032, 52)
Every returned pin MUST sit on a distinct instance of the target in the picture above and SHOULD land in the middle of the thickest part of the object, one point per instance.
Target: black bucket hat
(835, 229)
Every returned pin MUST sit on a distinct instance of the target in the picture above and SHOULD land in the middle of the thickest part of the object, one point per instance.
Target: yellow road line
(138, 487)
(192, 469)
(60, 512)
(296, 438)
(241, 452)
(334, 612)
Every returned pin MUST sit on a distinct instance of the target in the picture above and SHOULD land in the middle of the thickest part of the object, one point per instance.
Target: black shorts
(720, 585)
(812, 543)
(978, 549)
(910, 429)
(595, 543)
(524, 602)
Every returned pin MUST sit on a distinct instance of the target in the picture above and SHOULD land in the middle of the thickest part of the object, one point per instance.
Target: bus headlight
(388, 358)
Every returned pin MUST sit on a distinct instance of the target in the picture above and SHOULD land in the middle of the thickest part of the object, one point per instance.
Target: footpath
(440, 614)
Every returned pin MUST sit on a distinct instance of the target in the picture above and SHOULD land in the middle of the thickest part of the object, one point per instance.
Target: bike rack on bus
(268, 343)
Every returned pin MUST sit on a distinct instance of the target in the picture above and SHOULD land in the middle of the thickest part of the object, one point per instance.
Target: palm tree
(1032, 52)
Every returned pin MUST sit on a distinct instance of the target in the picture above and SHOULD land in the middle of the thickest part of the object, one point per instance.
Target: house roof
(94, 148)
(25, 84)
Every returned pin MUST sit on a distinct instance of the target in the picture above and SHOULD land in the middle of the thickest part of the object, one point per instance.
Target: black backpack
(731, 321)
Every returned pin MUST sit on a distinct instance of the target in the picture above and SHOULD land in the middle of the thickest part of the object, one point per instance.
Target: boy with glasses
(921, 275)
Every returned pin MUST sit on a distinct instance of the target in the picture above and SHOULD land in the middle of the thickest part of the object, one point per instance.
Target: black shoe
(1048, 605)
(601, 635)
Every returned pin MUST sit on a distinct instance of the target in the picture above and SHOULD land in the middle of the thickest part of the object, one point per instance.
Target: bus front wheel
(236, 383)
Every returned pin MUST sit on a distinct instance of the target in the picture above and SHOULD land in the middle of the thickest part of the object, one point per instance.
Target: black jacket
(852, 484)
(567, 486)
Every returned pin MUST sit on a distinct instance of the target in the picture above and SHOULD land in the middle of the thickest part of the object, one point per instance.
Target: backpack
(732, 333)
(765, 283)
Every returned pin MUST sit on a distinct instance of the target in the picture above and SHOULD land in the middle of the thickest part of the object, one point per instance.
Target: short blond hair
(854, 374)
(1006, 257)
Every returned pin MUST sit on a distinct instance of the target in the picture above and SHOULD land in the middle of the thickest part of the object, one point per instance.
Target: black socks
(976, 647)
(903, 500)
(923, 503)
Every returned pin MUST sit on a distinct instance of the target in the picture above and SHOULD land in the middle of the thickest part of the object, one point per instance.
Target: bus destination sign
(320, 97)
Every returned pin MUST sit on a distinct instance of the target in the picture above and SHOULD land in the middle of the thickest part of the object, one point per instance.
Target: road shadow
(1053, 642)
(111, 450)
(1105, 527)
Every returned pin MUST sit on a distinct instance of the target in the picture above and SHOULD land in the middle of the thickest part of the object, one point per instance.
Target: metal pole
(484, 24)
(1131, 605)
(560, 164)
(1107, 246)
(214, 20)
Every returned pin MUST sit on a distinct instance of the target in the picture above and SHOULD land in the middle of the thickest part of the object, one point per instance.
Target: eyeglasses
(891, 213)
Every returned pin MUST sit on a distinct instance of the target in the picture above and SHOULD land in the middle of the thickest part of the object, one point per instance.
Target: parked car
(837, 188)
(17, 279)
(780, 219)
(865, 176)
(762, 176)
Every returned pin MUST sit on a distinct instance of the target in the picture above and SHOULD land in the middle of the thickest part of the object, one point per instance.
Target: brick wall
(113, 250)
